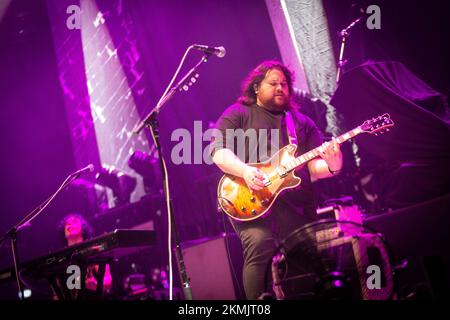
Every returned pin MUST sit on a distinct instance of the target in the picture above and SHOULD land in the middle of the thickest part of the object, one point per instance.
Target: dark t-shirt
(266, 142)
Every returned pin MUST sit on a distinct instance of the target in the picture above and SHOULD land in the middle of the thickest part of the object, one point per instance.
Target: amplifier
(213, 276)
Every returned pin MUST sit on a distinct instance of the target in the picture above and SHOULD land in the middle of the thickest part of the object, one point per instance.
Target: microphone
(218, 51)
(88, 168)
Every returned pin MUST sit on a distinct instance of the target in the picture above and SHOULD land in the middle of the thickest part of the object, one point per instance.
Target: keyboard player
(74, 229)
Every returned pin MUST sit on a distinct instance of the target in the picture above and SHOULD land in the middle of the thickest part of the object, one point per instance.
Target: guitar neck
(304, 158)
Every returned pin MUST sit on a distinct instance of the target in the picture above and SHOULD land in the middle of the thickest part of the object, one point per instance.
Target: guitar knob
(243, 209)
(252, 199)
(253, 211)
(264, 202)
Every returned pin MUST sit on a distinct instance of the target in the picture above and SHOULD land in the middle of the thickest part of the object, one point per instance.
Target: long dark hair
(86, 229)
(257, 75)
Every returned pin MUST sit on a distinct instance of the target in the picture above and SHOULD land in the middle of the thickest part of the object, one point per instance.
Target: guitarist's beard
(278, 103)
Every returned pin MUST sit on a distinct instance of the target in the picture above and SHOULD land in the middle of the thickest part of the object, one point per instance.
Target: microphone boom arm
(344, 33)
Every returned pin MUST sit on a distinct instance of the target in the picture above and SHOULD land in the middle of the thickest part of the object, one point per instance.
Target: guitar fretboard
(304, 158)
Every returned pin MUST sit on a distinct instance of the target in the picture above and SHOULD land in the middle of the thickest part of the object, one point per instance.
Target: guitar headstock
(378, 125)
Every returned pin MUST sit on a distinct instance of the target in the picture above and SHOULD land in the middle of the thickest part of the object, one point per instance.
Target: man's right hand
(229, 163)
(254, 178)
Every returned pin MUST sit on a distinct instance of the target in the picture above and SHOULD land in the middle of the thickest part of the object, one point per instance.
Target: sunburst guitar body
(238, 201)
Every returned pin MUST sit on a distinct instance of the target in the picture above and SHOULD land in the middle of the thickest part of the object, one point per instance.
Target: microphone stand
(25, 222)
(344, 33)
(151, 122)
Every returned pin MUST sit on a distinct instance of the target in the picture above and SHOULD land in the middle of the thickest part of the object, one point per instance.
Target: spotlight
(26, 294)
(120, 183)
(146, 166)
(87, 197)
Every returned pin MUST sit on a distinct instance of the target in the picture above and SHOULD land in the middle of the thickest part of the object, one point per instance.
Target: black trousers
(260, 238)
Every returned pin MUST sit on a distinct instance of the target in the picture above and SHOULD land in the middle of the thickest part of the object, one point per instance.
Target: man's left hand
(331, 153)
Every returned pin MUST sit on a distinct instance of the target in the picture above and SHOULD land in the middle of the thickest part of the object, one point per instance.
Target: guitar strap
(291, 128)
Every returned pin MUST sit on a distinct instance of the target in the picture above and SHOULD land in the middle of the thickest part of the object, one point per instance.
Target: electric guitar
(242, 204)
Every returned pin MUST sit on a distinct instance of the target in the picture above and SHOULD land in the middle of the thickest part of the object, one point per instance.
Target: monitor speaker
(213, 274)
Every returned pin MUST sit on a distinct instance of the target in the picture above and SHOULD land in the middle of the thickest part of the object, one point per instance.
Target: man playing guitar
(265, 103)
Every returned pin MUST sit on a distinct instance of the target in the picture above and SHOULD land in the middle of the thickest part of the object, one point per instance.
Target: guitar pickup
(281, 173)
(266, 180)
